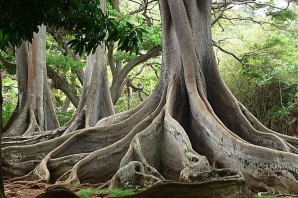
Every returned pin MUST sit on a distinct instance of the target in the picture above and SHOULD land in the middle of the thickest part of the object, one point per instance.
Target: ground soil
(29, 190)
(23, 190)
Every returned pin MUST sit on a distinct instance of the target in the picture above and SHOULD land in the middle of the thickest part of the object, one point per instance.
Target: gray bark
(22, 73)
(36, 111)
(61, 83)
(95, 102)
(120, 74)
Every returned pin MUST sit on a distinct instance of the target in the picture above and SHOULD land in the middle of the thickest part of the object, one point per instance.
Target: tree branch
(62, 84)
(6, 63)
(140, 59)
(62, 41)
(111, 59)
(227, 52)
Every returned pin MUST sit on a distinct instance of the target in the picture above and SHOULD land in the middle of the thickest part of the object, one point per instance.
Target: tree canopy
(83, 19)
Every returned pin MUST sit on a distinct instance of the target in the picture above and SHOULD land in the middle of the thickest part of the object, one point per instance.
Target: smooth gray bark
(36, 111)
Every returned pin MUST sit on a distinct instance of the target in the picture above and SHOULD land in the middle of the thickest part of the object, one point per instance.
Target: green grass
(89, 192)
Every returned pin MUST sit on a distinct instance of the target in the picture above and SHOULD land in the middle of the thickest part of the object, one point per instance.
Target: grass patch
(89, 192)
(86, 193)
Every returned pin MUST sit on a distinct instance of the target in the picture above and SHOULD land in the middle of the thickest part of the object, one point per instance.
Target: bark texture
(190, 127)
(35, 107)
(216, 183)
(95, 102)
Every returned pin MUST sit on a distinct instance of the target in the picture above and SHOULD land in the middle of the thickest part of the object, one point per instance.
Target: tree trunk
(36, 111)
(95, 102)
(189, 126)
(121, 73)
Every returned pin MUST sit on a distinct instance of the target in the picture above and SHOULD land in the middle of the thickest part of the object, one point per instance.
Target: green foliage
(86, 193)
(61, 63)
(149, 36)
(9, 56)
(281, 16)
(89, 192)
(152, 36)
(64, 118)
(82, 18)
(120, 193)
(267, 81)
(10, 98)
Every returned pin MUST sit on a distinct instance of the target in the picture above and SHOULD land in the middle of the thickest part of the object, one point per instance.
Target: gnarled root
(222, 186)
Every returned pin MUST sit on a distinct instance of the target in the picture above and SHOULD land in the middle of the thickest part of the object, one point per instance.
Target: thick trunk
(36, 111)
(95, 102)
(22, 73)
(99, 103)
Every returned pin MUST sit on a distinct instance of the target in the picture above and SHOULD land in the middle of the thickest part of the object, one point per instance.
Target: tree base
(217, 183)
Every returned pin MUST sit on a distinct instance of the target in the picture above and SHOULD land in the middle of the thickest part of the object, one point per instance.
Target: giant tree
(35, 109)
(190, 124)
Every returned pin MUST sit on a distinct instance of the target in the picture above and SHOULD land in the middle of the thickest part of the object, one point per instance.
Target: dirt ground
(23, 190)
(29, 190)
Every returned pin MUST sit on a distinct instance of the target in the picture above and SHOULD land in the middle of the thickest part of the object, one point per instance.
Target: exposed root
(33, 139)
(293, 141)
(184, 129)
(263, 168)
(222, 187)
(111, 155)
(74, 149)
(171, 157)
(135, 174)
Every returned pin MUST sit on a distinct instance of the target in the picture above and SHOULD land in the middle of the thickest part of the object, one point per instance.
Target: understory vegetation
(89, 192)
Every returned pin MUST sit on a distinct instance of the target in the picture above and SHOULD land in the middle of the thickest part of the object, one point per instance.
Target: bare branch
(6, 63)
(227, 52)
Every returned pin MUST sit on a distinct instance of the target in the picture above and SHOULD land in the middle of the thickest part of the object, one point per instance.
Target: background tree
(261, 71)
(35, 109)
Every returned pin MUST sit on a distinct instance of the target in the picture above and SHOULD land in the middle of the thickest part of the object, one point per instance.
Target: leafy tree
(35, 108)
(263, 74)
(84, 19)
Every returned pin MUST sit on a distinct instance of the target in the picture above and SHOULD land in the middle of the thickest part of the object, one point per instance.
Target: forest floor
(13, 190)
(23, 190)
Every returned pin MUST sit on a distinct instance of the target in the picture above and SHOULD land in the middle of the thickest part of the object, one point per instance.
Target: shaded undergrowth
(91, 192)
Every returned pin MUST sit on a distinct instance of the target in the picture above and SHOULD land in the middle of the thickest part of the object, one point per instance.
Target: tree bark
(61, 83)
(36, 111)
(212, 184)
(95, 102)
(120, 74)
